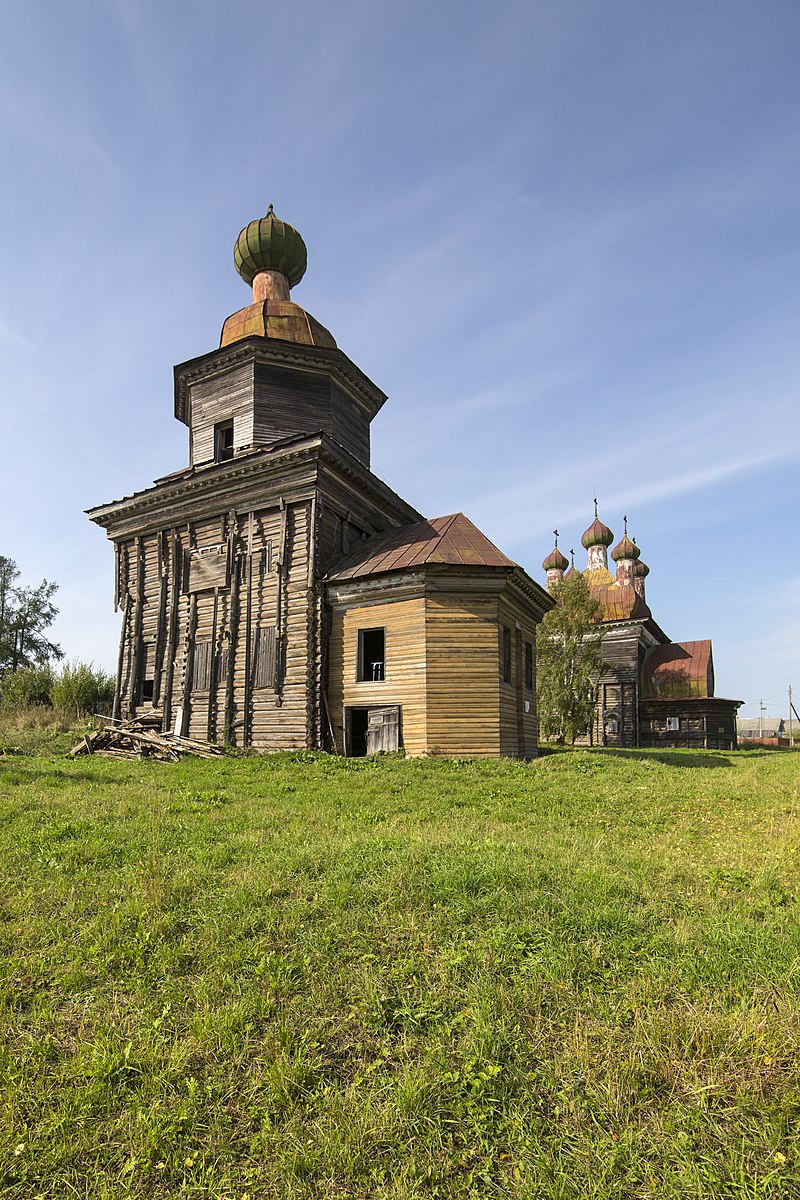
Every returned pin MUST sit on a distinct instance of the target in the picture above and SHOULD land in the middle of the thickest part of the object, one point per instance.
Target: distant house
(768, 731)
(656, 692)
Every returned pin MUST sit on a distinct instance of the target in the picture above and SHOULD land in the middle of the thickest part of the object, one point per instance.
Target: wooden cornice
(209, 487)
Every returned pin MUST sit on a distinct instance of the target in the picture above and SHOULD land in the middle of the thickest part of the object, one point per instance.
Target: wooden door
(383, 729)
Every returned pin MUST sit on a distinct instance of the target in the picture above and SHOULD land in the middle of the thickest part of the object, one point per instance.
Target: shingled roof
(445, 541)
(680, 670)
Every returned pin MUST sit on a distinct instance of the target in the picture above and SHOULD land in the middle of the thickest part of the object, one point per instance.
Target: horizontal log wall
(704, 724)
(286, 402)
(519, 730)
(222, 398)
(463, 686)
(618, 692)
(404, 684)
(270, 590)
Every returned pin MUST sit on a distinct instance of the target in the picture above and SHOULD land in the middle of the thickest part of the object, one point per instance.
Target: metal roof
(447, 541)
(679, 670)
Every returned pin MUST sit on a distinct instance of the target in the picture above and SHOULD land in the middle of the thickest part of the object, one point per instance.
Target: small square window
(223, 441)
(371, 655)
(673, 724)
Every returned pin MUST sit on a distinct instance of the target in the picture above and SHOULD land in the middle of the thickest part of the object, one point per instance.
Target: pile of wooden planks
(138, 739)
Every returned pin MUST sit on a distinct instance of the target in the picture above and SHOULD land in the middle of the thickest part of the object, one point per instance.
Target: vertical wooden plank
(135, 682)
(518, 680)
(212, 683)
(161, 627)
(233, 629)
(189, 666)
(120, 656)
(176, 555)
(248, 634)
(280, 624)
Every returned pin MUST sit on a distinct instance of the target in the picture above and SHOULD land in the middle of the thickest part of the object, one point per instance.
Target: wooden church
(275, 593)
(654, 692)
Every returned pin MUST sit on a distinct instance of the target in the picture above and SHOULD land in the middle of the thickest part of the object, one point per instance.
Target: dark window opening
(506, 654)
(529, 666)
(371, 655)
(223, 441)
(147, 673)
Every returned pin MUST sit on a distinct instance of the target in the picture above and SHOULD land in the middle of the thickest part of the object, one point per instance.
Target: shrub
(82, 689)
(28, 687)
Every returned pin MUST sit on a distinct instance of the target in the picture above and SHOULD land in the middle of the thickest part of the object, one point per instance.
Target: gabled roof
(761, 726)
(446, 541)
(678, 670)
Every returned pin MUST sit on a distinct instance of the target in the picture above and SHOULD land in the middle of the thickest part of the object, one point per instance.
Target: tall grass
(41, 709)
(309, 977)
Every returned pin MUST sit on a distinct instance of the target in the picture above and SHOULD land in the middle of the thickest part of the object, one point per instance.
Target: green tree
(82, 689)
(569, 662)
(26, 615)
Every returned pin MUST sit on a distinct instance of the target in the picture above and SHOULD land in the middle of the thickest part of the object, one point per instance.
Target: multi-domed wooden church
(276, 594)
(655, 692)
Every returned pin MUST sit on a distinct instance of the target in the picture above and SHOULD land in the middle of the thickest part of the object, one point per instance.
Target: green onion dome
(597, 534)
(555, 561)
(625, 549)
(641, 570)
(269, 244)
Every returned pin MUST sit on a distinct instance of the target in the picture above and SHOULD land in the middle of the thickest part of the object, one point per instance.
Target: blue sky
(563, 237)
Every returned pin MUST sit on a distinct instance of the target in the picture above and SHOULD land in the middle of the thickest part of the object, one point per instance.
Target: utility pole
(791, 722)
(761, 718)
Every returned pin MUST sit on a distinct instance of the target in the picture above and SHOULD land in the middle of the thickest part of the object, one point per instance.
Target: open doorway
(370, 730)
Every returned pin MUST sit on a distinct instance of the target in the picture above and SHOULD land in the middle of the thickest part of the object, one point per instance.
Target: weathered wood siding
(223, 397)
(463, 684)
(198, 645)
(708, 724)
(519, 730)
(404, 683)
(286, 402)
(618, 692)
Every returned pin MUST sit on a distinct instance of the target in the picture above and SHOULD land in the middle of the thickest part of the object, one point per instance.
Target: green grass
(308, 977)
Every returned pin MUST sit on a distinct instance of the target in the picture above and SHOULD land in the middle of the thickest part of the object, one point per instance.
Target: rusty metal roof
(680, 670)
(447, 541)
(619, 602)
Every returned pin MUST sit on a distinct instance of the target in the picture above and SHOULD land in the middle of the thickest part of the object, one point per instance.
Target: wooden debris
(138, 738)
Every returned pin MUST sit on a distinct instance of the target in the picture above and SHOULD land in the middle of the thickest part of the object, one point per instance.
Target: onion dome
(625, 549)
(641, 570)
(271, 255)
(269, 244)
(597, 534)
(573, 570)
(555, 560)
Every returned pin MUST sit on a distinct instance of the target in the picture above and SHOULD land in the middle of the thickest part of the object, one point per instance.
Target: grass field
(310, 977)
